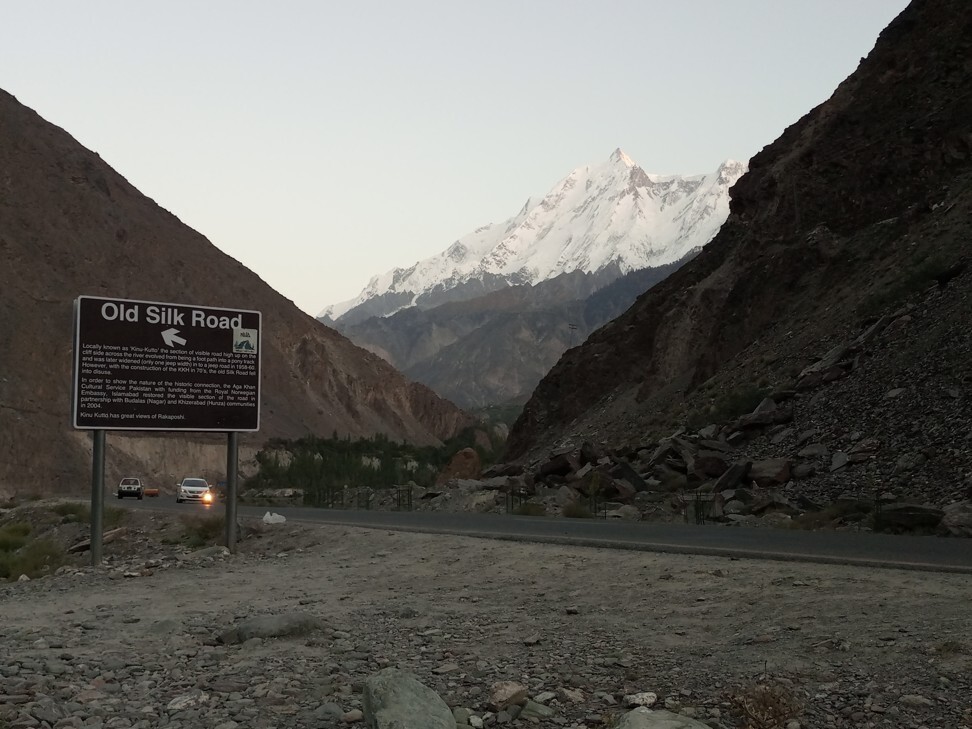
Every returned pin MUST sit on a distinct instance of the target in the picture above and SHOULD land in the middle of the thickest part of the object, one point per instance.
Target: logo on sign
(245, 340)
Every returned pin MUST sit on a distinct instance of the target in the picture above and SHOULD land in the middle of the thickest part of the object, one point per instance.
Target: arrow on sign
(172, 338)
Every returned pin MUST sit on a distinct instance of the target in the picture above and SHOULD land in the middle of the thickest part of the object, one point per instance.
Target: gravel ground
(136, 642)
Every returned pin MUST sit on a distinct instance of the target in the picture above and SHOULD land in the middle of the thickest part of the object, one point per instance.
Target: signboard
(144, 365)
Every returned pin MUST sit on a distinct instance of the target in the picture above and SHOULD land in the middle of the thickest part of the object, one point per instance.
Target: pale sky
(321, 143)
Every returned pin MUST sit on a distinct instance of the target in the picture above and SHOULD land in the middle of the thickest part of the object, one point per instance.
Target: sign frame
(169, 341)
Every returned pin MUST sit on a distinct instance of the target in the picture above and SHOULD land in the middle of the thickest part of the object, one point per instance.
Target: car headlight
(208, 497)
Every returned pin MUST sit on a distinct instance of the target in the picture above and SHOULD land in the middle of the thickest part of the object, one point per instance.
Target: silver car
(194, 489)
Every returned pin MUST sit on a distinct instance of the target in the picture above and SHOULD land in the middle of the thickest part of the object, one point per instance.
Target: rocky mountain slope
(495, 348)
(838, 287)
(603, 220)
(483, 321)
(71, 225)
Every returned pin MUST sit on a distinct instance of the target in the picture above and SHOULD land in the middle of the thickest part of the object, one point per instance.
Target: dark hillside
(859, 209)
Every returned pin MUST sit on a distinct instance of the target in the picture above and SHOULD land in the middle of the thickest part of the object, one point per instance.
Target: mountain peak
(608, 216)
(731, 170)
(619, 156)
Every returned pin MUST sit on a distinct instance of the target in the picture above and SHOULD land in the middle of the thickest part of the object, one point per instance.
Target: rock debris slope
(71, 225)
(839, 286)
(497, 347)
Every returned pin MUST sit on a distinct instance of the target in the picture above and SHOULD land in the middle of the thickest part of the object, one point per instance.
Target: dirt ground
(845, 646)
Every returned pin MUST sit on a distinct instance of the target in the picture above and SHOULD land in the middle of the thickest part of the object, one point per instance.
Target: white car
(194, 489)
(129, 487)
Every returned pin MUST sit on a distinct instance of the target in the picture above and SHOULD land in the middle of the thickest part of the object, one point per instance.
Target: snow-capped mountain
(612, 216)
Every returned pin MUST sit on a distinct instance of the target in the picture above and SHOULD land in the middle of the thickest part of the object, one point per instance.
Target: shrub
(114, 516)
(17, 528)
(13, 536)
(200, 531)
(76, 511)
(530, 508)
(72, 511)
(37, 558)
(10, 542)
(764, 706)
(577, 510)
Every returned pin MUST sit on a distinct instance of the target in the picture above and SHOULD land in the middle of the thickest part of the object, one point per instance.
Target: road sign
(145, 365)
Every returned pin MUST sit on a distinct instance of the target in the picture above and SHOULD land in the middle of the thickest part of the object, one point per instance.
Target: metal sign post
(147, 365)
(97, 495)
(232, 462)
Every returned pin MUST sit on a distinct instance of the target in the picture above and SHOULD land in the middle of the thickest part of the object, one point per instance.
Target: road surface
(845, 547)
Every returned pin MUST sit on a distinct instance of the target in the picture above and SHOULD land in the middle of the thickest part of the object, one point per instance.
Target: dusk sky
(321, 143)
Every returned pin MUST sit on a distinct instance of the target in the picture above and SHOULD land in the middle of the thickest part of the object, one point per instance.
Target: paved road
(880, 550)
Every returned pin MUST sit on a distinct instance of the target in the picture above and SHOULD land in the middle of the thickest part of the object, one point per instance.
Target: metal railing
(403, 498)
(514, 499)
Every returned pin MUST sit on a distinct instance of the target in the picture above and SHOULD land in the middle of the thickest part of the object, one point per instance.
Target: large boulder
(627, 512)
(734, 506)
(762, 418)
(559, 465)
(466, 464)
(909, 517)
(624, 471)
(567, 495)
(604, 488)
(733, 476)
(663, 452)
(669, 479)
(957, 521)
(773, 502)
(771, 472)
(272, 626)
(710, 464)
(589, 454)
(395, 699)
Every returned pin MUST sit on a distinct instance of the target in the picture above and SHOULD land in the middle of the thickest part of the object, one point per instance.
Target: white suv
(194, 489)
(129, 487)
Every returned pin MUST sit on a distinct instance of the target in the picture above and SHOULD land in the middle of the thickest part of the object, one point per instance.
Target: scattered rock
(395, 699)
(771, 472)
(187, 701)
(277, 626)
(644, 698)
(504, 694)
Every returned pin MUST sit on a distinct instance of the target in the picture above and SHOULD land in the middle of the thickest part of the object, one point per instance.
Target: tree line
(320, 466)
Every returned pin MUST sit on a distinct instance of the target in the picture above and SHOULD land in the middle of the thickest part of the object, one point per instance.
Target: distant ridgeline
(315, 465)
